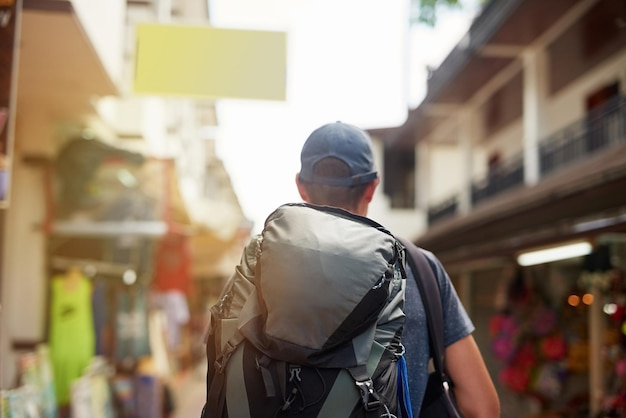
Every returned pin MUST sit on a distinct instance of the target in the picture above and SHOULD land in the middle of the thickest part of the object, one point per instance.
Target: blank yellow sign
(206, 62)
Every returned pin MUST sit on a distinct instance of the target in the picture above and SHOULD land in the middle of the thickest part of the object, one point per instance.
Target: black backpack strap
(429, 289)
(216, 387)
(263, 364)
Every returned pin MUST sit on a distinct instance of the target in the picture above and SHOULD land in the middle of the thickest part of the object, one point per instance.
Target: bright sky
(350, 60)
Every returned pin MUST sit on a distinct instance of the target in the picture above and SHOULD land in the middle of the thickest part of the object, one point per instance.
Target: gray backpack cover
(310, 324)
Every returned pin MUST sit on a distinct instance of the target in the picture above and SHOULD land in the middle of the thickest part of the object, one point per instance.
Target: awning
(59, 68)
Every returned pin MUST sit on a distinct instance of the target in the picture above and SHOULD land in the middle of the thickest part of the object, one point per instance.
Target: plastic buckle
(222, 359)
(220, 363)
(399, 353)
(370, 399)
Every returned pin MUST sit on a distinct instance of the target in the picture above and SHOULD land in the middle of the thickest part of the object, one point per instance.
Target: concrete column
(534, 94)
(23, 255)
(466, 137)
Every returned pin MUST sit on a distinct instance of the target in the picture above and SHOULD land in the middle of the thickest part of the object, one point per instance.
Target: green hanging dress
(72, 339)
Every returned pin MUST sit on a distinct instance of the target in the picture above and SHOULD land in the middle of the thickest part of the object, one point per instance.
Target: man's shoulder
(432, 258)
(436, 266)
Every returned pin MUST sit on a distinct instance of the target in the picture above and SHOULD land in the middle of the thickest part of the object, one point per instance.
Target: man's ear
(302, 190)
(370, 189)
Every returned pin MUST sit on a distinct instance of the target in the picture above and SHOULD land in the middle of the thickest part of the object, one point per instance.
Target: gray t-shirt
(457, 325)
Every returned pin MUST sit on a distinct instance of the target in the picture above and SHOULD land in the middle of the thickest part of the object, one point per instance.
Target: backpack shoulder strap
(429, 290)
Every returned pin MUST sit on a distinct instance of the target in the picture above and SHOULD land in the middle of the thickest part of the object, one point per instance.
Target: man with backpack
(337, 172)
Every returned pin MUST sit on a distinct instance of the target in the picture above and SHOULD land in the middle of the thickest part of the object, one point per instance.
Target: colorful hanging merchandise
(72, 340)
(132, 341)
(172, 270)
(527, 340)
(613, 284)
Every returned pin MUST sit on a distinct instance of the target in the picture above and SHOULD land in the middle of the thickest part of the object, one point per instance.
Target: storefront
(119, 274)
(552, 329)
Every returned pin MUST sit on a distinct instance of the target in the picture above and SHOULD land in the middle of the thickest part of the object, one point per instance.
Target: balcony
(501, 179)
(445, 209)
(599, 131)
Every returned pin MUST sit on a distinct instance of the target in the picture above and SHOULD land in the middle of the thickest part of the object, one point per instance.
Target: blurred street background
(143, 143)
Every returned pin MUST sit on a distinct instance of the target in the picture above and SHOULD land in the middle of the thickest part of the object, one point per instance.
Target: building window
(504, 106)
(399, 177)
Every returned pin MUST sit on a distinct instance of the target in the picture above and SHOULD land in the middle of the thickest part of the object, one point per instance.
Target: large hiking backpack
(310, 324)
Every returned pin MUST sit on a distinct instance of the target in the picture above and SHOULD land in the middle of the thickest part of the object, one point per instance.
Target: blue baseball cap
(345, 142)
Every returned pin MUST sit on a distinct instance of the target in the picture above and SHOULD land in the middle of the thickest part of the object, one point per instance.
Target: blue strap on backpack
(403, 389)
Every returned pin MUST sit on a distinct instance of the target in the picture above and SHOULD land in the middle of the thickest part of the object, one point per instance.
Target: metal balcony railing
(501, 179)
(599, 130)
(443, 210)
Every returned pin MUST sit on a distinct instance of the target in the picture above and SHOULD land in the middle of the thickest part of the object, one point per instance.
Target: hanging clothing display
(72, 340)
(132, 340)
(100, 315)
(172, 269)
(174, 304)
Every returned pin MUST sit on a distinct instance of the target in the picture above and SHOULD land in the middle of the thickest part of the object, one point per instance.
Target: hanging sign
(207, 62)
